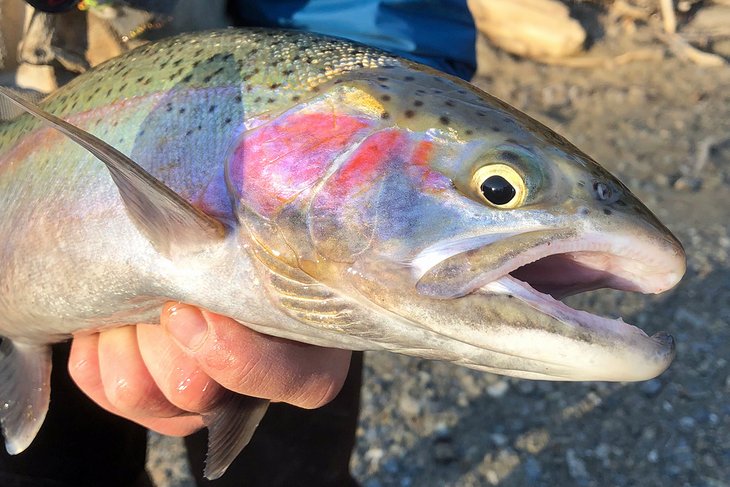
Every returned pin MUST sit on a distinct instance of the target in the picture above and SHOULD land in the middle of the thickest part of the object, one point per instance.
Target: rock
(498, 389)
(533, 469)
(651, 388)
(687, 423)
(576, 466)
(538, 29)
(443, 452)
(409, 405)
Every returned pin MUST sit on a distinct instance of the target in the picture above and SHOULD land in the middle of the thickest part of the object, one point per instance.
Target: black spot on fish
(195, 64)
(211, 108)
(121, 88)
(409, 78)
(168, 107)
(295, 98)
(257, 99)
(385, 97)
(621, 203)
(606, 211)
(481, 114)
(188, 133)
(139, 80)
(228, 56)
(287, 72)
(418, 103)
(187, 78)
(274, 86)
(270, 100)
(382, 78)
(385, 115)
(177, 62)
(316, 89)
(469, 132)
(200, 127)
(409, 113)
(207, 79)
(227, 120)
(238, 98)
(163, 65)
(385, 87)
(509, 156)
(444, 120)
(218, 71)
(109, 92)
(182, 110)
(449, 103)
(211, 59)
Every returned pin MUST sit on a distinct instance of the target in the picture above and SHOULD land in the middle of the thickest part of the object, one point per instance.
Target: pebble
(443, 452)
(653, 456)
(576, 466)
(409, 405)
(498, 389)
(533, 469)
(687, 423)
(499, 439)
(651, 388)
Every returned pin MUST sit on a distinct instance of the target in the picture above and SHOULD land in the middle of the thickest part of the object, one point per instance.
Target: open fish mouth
(540, 275)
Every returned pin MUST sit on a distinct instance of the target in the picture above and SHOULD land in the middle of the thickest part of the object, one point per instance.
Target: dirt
(663, 127)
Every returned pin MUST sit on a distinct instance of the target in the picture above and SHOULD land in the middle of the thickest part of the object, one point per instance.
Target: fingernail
(187, 326)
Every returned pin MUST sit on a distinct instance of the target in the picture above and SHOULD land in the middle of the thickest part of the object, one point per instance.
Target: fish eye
(500, 185)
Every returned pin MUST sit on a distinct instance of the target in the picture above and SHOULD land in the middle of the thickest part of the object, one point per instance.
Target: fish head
(459, 215)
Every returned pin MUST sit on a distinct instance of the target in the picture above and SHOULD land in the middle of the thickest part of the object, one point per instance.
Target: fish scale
(316, 190)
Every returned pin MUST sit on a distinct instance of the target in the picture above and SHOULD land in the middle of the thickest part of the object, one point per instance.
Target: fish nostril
(603, 191)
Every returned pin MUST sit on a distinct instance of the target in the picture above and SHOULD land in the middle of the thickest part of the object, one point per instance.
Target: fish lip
(647, 264)
(648, 356)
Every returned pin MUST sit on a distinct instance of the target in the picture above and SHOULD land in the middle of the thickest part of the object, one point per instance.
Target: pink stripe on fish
(276, 162)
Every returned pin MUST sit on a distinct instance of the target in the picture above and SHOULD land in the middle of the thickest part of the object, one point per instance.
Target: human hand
(166, 376)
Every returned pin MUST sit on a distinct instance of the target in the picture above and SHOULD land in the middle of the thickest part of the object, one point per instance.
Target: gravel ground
(662, 126)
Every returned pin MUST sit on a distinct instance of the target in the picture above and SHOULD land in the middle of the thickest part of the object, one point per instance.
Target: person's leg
(79, 444)
(293, 446)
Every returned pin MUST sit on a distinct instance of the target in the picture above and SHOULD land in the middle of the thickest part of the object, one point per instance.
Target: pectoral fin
(25, 389)
(230, 427)
(166, 219)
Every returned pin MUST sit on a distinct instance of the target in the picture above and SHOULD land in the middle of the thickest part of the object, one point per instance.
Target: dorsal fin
(164, 217)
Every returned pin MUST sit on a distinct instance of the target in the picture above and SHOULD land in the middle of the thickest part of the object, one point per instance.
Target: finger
(128, 385)
(254, 364)
(178, 375)
(83, 367)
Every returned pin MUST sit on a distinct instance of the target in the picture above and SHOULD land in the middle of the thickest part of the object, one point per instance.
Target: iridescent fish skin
(346, 180)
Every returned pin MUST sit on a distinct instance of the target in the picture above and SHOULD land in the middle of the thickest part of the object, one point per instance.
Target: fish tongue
(461, 274)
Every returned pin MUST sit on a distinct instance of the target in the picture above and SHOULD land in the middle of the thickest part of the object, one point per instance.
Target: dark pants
(81, 445)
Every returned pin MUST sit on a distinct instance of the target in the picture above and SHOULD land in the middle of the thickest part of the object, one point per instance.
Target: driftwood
(538, 29)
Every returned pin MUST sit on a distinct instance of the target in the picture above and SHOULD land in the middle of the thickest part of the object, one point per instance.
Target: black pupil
(498, 190)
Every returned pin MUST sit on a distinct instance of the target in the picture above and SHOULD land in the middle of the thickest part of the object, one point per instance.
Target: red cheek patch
(274, 163)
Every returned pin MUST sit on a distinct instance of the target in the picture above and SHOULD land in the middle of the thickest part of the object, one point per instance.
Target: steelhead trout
(316, 190)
